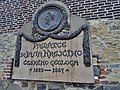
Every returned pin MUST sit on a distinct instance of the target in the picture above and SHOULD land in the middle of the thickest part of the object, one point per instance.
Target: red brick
(8, 62)
(103, 72)
(2, 74)
(9, 65)
(1, 69)
(7, 68)
(102, 66)
(8, 74)
(1, 78)
(102, 77)
(102, 61)
(7, 71)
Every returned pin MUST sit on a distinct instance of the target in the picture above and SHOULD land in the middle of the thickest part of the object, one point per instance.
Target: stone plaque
(61, 52)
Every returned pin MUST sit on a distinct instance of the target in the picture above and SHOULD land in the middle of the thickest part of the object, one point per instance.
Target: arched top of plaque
(50, 18)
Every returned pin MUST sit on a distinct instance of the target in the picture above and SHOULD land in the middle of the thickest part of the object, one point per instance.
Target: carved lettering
(49, 45)
(49, 54)
(52, 62)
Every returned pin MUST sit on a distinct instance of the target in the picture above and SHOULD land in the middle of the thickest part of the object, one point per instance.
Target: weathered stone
(24, 84)
(91, 86)
(109, 70)
(96, 70)
(112, 43)
(41, 86)
(116, 37)
(71, 88)
(104, 82)
(99, 88)
(14, 87)
(115, 60)
(56, 86)
(114, 82)
(115, 87)
(113, 26)
(78, 85)
(4, 84)
(102, 41)
(115, 66)
(7, 45)
(32, 85)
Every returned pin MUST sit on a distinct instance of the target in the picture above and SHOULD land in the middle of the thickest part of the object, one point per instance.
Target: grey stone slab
(14, 87)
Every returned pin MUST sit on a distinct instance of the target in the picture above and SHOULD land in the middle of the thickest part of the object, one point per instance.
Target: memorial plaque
(54, 52)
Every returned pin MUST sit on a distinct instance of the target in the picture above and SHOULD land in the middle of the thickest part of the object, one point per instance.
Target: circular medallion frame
(50, 19)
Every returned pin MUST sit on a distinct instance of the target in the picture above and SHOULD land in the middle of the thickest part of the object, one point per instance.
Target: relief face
(49, 19)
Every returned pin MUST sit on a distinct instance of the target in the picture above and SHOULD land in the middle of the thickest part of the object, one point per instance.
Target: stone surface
(56, 86)
(7, 45)
(41, 86)
(14, 87)
(105, 44)
(96, 70)
(4, 84)
(24, 84)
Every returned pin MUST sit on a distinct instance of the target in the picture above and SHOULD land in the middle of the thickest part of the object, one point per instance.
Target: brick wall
(14, 13)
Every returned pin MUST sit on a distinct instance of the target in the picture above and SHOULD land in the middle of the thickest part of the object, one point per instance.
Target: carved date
(38, 69)
(58, 70)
